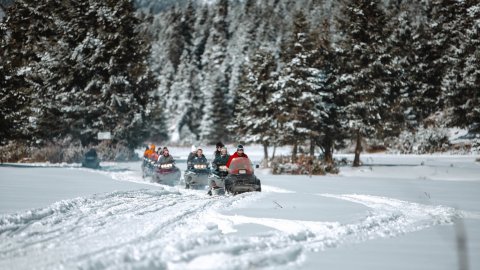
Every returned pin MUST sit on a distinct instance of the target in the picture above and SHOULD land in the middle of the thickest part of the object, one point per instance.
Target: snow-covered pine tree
(216, 75)
(416, 62)
(364, 77)
(29, 50)
(13, 104)
(201, 35)
(328, 122)
(403, 45)
(299, 98)
(242, 42)
(186, 110)
(431, 45)
(182, 76)
(157, 128)
(85, 65)
(179, 33)
(253, 115)
(462, 78)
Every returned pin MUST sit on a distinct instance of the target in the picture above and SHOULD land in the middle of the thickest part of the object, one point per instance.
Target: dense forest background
(310, 73)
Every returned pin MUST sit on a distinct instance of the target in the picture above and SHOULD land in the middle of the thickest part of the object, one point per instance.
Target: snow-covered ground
(396, 212)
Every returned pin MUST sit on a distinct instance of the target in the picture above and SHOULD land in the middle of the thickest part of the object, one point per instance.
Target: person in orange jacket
(148, 153)
(240, 153)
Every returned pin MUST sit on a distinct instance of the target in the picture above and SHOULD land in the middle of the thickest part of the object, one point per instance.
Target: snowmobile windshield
(240, 165)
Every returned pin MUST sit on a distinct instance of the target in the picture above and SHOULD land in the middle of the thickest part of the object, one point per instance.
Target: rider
(149, 151)
(154, 156)
(198, 158)
(218, 150)
(165, 158)
(220, 160)
(240, 153)
(191, 156)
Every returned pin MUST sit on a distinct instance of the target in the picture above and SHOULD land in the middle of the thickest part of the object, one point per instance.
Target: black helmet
(220, 144)
(239, 147)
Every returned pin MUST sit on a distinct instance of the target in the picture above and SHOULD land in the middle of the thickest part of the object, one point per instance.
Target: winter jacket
(148, 153)
(153, 156)
(216, 154)
(190, 158)
(235, 155)
(220, 161)
(197, 160)
(166, 159)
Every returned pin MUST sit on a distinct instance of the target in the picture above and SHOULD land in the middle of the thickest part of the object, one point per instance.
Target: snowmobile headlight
(166, 166)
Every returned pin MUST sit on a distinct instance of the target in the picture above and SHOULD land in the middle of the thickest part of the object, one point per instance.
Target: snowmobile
(240, 177)
(148, 167)
(196, 177)
(167, 174)
(217, 181)
(91, 160)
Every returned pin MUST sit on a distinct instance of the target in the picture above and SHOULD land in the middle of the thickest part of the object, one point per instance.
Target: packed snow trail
(185, 230)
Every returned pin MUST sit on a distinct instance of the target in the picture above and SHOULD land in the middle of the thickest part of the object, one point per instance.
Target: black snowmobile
(167, 174)
(240, 177)
(196, 177)
(217, 181)
(91, 160)
(148, 167)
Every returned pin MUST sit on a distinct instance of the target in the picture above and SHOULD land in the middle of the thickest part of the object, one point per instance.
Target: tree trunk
(274, 150)
(328, 158)
(265, 154)
(312, 147)
(294, 153)
(358, 150)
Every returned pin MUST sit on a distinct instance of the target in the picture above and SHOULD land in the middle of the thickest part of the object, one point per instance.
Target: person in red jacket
(240, 153)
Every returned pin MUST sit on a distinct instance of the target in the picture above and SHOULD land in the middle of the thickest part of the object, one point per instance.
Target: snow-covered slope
(341, 222)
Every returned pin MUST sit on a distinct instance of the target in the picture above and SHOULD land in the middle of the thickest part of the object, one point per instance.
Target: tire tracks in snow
(104, 231)
(183, 229)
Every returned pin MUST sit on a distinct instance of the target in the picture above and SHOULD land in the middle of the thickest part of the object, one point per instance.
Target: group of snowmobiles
(234, 177)
(160, 166)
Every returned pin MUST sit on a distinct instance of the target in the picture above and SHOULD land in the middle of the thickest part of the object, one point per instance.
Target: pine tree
(85, 66)
(365, 68)
(185, 111)
(300, 84)
(463, 75)
(216, 78)
(328, 123)
(11, 103)
(253, 115)
(403, 44)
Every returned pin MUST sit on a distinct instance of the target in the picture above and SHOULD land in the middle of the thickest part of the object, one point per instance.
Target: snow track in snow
(146, 228)
(184, 230)
(173, 228)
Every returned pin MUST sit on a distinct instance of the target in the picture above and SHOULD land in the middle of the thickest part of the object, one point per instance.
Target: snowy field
(396, 212)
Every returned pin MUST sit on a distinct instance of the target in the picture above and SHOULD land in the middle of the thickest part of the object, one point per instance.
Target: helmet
(239, 147)
(152, 146)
